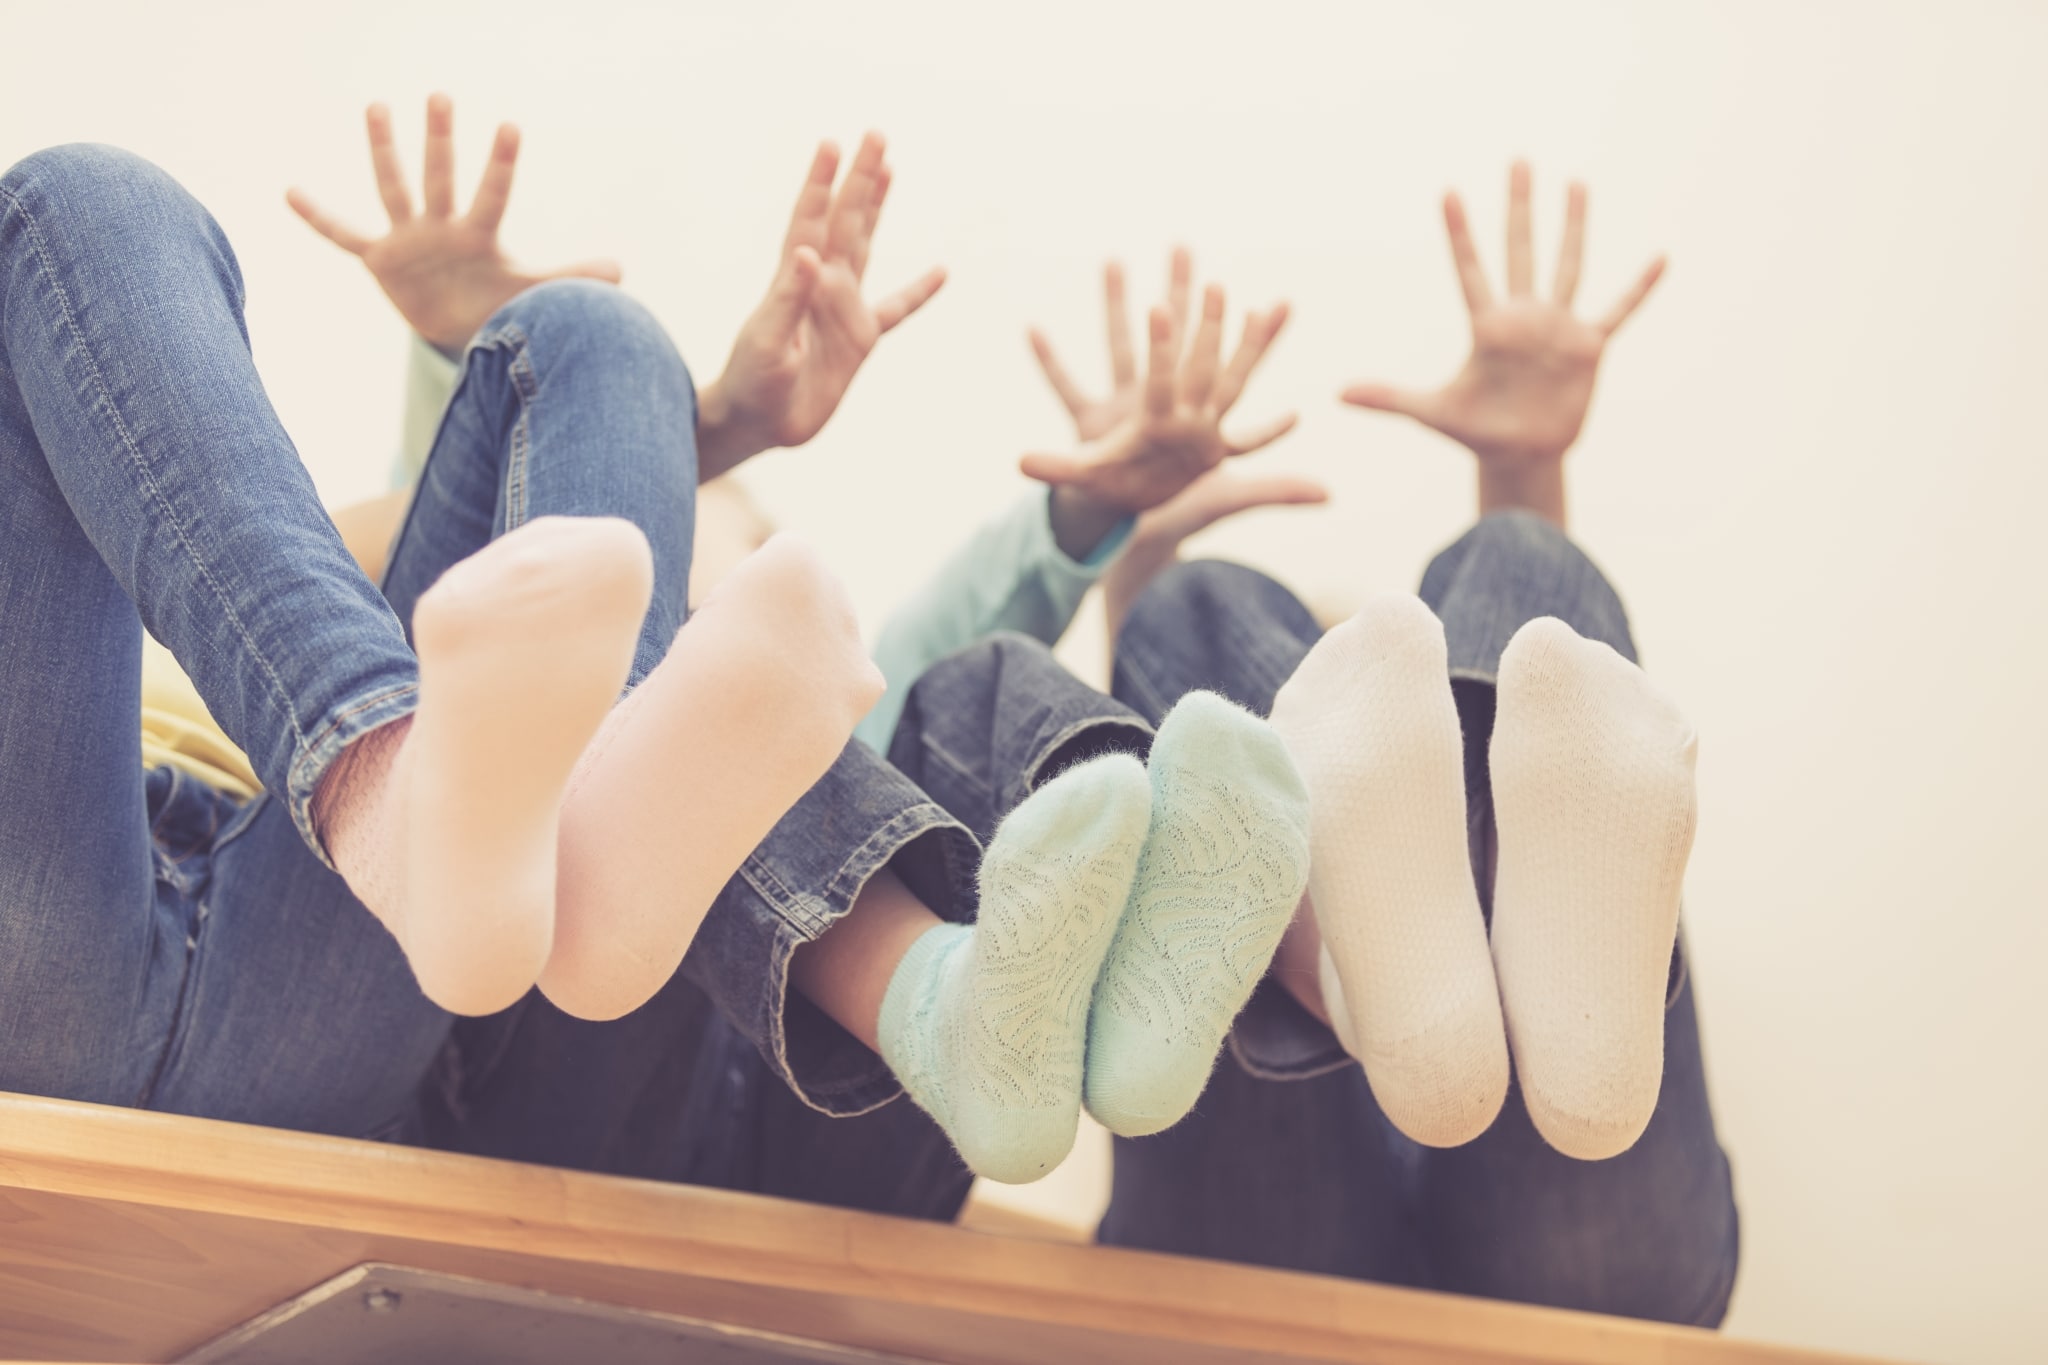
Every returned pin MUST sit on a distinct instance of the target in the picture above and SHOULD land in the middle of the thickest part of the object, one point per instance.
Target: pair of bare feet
(525, 826)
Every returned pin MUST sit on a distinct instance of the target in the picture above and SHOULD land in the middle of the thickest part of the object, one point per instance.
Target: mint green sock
(985, 1024)
(1225, 863)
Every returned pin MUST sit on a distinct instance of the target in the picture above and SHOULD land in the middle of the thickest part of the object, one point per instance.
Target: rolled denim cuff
(861, 817)
(318, 753)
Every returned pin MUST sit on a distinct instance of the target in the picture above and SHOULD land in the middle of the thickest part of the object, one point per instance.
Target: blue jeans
(160, 945)
(163, 946)
(1287, 1161)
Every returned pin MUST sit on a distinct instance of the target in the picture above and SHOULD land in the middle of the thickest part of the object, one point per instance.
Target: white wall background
(1816, 465)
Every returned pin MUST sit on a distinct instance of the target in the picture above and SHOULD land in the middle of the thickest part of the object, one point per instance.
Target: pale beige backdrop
(1816, 464)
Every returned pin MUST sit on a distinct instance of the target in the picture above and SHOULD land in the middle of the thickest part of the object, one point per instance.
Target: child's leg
(1288, 1159)
(122, 309)
(121, 318)
(91, 960)
(574, 402)
(1651, 1232)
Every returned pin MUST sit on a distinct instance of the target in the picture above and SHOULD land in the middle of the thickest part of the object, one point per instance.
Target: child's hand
(1097, 417)
(797, 354)
(444, 273)
(1522, 396)
(1173, 433)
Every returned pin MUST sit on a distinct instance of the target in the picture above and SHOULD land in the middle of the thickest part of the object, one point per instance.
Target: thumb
(1217, 496)
(1388, 398)
(1053, 469)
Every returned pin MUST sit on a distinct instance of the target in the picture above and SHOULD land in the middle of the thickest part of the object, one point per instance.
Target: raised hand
(443, 271)
(1097, 417)
(1521, 398)
(1156, 539)
(796, 355)
(1173, 434)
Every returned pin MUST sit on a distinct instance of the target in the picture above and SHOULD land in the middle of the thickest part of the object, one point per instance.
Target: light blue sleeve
(1010, 575)
(429, 383)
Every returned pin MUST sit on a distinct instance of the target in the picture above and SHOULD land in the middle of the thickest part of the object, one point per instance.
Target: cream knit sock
(445, 826)
(755, 699)
(1593, 798)
(1369, 720)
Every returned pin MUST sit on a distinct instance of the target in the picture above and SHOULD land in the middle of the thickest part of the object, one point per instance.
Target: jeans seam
(788, 905)
(527, 385)
(181, 1013)
(141, 467)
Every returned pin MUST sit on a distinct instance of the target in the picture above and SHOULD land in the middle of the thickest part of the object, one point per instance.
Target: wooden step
(133, 1236)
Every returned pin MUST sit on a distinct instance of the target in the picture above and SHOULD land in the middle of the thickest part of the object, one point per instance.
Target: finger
(1262, 437)
(790, 295)
(384, 162)
(1573, 250)
(1053, 469)
(1217, 495)
(1198, 375)
(438, 180)
(850, 206)
(1159, 364)
(1387, 398)
(909, 298)
(1471, 277)
(349, 240)
(494, 191)
(1259, 331)
(1521, 234)
(1633, 299)
(1233, 495)
(867, 234)
(813, 203)
(1180, 277)
(1123, 365)
(1056, 374)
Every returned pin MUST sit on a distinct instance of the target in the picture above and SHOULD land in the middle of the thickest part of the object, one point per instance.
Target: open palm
(1522, 395)
(1173, 433)
(443, 271)
(799, 351)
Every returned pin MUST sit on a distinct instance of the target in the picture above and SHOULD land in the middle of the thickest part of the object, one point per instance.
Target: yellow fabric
(178, 729)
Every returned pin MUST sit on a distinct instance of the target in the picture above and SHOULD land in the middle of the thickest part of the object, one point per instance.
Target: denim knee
(90, 175)
(1210, 625)
(1509, 569)
(1189, 593)
(581, 319)
(109, 197)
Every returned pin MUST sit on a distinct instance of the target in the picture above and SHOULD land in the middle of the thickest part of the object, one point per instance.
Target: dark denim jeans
(1287, 1161)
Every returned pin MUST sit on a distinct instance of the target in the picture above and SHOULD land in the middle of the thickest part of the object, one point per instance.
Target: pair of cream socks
(1592, 775)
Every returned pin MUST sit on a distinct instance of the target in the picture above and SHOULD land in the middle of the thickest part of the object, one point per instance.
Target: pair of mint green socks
(1127, 913)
